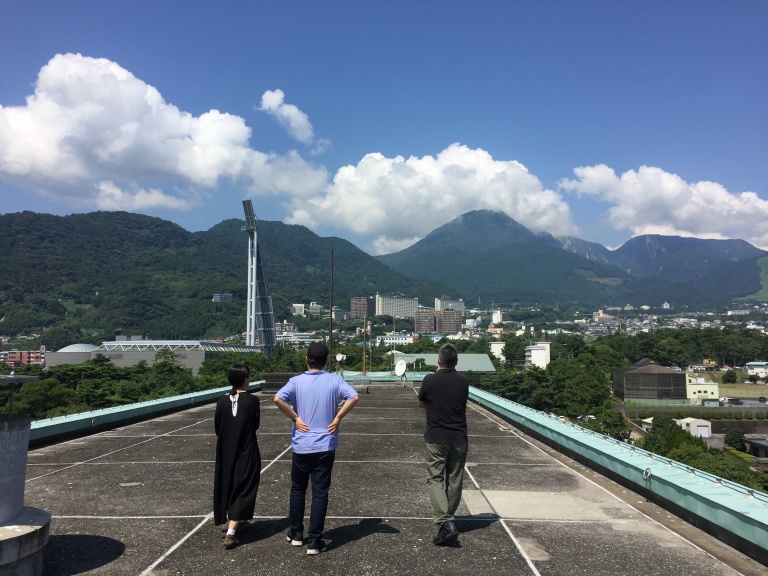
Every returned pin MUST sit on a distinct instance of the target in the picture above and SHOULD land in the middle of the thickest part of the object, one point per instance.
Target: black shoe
(316, 545)
(446, 533)
(295, 538)
(230, 542)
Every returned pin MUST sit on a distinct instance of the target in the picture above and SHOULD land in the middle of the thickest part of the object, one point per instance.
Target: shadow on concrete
(70, 554)
(262, 530)
(368, 526)
(477, 522)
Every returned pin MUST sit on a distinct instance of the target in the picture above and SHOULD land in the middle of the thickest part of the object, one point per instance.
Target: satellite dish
(400, 368)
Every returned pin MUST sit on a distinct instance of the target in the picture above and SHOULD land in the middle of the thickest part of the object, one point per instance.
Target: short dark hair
(448, 356)
(317, 355)
(237, 375)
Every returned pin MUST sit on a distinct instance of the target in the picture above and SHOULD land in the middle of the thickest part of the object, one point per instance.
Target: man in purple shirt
(311, 400)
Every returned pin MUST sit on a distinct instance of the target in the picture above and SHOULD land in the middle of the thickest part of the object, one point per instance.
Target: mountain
(91, 276)
(488, 254)
(589, 250)
(719, 270)
(680, 259)
(116, 272)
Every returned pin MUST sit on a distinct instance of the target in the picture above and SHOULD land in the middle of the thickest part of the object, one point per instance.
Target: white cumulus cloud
(401, 200)
(652, 201)
(94, 134)
(295, 122)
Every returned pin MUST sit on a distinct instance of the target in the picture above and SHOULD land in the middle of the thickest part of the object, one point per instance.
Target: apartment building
(447, 321)
(398, 306)
(424, 321)
(361, 307)
(445, 303)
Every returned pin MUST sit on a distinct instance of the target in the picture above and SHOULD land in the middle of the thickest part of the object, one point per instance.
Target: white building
(497, 349)
(759, 369)
(397, 306)
(699, 390)
(395, 339)
(496, 317)
(340, 315)
(297, 309)
(444, 303)
(696, 427)
(537, 355)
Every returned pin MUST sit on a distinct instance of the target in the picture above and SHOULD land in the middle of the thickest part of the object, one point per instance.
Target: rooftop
(137, 500)
(141, 345)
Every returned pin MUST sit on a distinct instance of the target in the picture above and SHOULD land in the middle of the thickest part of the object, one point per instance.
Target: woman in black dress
(238, 461)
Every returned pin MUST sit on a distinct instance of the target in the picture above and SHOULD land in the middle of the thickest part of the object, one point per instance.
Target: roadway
(137, 500)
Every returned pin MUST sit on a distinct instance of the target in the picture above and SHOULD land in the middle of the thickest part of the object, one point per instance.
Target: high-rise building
(444, 303)
(447, 321)
(398, 306)
(362, 307)
(424, 321)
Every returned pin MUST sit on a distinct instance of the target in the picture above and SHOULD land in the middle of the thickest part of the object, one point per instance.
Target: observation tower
(260, 317)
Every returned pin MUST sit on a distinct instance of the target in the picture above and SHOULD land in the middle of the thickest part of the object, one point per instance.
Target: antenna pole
(365, 329)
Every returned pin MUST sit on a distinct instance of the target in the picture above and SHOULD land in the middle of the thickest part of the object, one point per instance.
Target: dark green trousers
(445, 478)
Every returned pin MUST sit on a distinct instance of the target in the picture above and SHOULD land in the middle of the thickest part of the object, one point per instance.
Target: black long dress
(238, 461)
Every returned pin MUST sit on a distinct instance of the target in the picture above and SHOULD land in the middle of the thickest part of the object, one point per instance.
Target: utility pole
(330, 317)
(365, 329)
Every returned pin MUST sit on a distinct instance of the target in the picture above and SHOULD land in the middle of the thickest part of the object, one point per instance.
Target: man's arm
(422, 404)
(346, 409)
(288, 410)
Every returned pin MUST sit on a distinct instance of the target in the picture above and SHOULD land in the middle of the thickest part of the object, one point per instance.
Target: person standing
(238, 460)
(444, 395)
(311, 400)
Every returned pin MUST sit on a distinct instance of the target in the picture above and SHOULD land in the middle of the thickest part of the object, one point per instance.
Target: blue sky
(378, 122)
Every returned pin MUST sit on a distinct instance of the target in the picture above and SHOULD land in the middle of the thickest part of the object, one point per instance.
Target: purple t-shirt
(315, 397)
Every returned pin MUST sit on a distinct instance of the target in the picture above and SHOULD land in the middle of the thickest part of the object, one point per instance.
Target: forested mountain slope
(116, 272)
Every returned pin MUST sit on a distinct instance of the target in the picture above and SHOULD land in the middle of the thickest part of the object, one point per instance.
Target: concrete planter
(14, 444)
(23, 531)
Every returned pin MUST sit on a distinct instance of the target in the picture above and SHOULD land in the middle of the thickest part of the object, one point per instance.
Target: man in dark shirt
(444, 396)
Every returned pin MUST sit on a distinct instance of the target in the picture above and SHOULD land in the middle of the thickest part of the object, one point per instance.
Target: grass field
(762, 295)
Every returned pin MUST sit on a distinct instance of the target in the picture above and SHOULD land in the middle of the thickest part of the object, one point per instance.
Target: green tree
(40, 397)
(514, 351)
(584, 384)
(729, 377)
(613, 423)
(733, 438)
(670, 352)
(666, 435)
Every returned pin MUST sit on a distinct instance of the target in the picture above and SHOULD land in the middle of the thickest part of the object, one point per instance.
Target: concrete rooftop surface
(137, 500)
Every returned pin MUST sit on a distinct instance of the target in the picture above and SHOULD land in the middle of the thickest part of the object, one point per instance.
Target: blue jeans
(318, 467)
